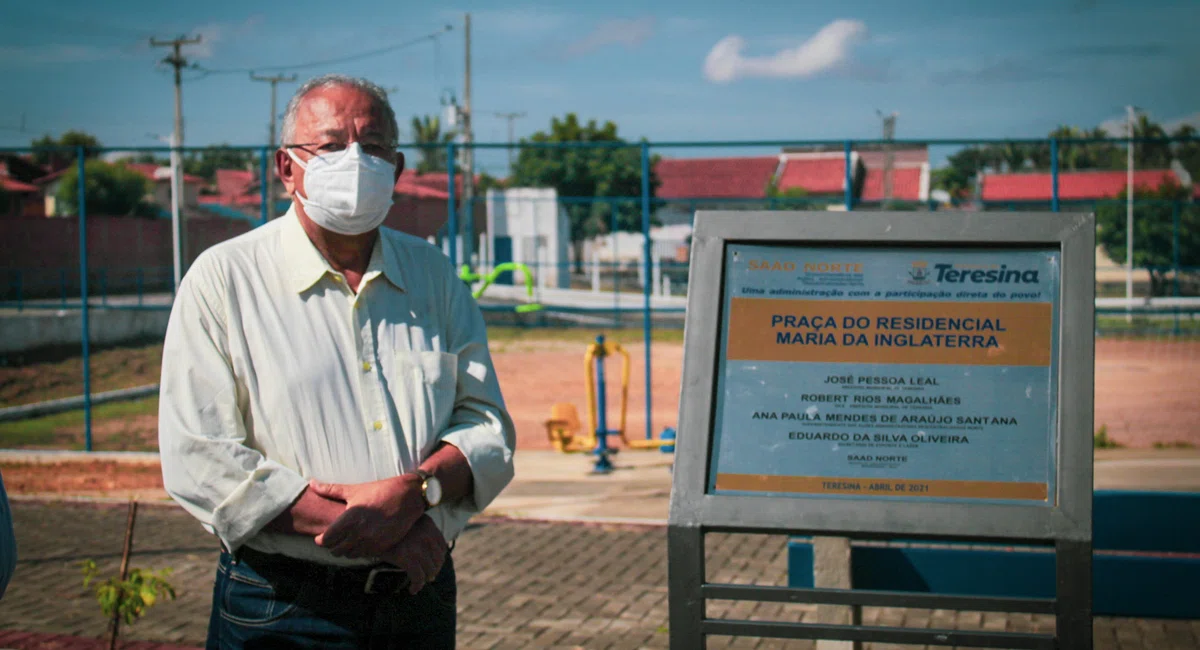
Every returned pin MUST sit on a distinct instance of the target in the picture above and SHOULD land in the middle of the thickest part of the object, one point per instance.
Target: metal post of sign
(833, 313)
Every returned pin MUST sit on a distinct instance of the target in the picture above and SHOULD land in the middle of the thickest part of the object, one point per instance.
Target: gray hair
(377, 94)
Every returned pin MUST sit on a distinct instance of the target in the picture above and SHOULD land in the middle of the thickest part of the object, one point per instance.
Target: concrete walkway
(585, 567)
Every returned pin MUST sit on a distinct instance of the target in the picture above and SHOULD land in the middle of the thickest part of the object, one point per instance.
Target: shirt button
(366, 366)
(378, 425)
(337, 279)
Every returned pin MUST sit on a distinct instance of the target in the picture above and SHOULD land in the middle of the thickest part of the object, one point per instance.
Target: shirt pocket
(432, 380)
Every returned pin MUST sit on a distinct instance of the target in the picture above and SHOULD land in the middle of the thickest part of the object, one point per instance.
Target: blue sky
(668, 70)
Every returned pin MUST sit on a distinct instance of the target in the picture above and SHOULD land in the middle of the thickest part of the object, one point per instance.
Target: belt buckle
(369, 588)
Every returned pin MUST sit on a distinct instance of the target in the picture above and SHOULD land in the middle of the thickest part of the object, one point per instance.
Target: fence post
(646, 285)
(262, 182)
(1053, 174)
(140, 283)
(1175, 257)
(1175, 244)
(62, 286)
(849, 178)
(83, 307)
(20, 291)
(452, 217)
(616, 280)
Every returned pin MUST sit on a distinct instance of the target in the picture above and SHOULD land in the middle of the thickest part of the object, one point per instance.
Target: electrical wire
(312, 64)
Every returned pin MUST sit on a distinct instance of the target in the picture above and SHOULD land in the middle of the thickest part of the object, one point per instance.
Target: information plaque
(887, 372)
(892, 377)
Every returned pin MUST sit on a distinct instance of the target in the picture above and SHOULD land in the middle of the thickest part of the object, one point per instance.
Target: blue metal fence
(23, 287)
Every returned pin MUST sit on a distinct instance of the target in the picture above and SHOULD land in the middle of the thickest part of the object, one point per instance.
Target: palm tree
(431, 143)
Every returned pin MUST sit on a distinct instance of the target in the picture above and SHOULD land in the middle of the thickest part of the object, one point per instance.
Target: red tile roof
(408, 187)
(235, 182)
(16, 186)
(906, 184)
(815, 173)
(1072, 186)
(152, 172)
(687, 178)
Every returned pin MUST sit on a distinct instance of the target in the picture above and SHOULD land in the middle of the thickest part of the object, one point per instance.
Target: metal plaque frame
(1066, 523)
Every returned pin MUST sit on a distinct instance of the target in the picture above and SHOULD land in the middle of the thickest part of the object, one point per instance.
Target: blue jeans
(264, 601)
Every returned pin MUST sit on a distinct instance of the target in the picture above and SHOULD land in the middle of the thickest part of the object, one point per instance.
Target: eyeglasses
(321, 148)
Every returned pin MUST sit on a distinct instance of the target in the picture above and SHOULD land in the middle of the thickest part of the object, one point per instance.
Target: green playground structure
(467, 275)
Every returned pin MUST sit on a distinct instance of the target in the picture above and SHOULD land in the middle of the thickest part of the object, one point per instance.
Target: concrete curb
(50, 407)
(52, 456)
(487, 517)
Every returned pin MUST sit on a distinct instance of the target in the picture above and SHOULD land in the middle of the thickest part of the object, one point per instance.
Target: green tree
(583, 172)
(206, 162)
(431, 144)
(1188, 152)
(113, 190)
(1154, 231)
(48, 151)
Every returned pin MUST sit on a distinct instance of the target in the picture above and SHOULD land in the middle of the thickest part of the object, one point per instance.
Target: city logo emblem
(919, 274)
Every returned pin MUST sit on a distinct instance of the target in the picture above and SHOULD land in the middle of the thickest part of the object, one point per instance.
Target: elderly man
(329, 408)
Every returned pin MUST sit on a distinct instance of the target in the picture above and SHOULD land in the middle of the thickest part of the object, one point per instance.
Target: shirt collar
(306, 266)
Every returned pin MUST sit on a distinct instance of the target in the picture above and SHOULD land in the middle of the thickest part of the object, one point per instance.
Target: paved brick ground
(521, 585)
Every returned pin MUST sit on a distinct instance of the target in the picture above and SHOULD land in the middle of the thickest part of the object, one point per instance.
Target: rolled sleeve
(480, 427)
(207, 466)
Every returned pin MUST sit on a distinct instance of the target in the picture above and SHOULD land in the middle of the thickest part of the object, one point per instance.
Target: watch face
(433, 491)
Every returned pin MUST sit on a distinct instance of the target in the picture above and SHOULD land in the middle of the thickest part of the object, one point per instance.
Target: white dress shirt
(275, 372)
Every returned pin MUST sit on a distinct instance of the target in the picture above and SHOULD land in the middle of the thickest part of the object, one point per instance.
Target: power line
(345, 59)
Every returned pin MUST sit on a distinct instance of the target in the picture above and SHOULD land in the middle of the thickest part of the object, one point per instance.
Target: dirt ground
(1146, 393)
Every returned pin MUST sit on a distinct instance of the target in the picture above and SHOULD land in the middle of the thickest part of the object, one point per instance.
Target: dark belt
(381, 579)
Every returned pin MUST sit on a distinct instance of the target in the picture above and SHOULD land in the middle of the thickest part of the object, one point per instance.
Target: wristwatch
(431, 488)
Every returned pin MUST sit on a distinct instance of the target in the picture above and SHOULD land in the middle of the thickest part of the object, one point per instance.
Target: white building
(530, 226)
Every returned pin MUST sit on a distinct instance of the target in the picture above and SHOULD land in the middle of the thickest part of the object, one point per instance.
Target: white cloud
(212, 33)
(1192, 120)
(627, 32)
(827, 49)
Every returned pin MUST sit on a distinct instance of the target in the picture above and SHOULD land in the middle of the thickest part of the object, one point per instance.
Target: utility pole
(1131, 114)
(511, 117)
(889, 133)
(178, 231)
(270, 179)
(468, 227)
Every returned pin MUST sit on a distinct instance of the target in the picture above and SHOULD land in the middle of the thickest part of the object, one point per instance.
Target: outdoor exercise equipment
(564, 429)
(467, 275)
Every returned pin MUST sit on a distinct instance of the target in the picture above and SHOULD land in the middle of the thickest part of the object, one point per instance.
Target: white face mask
(349, 192)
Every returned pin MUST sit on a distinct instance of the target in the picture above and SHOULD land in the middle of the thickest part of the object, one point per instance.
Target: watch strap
(424, 476)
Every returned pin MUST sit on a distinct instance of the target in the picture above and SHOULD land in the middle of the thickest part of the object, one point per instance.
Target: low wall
(32, 330)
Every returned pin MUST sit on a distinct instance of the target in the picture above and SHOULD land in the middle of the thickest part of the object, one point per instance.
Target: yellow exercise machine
(564, 428)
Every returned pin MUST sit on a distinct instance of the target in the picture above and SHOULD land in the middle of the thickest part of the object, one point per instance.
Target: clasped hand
(385, 519)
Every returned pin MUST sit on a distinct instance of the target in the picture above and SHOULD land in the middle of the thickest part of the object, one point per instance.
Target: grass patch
(40, 378)
(1102, 441)
(58, 430)
(1178, 444)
